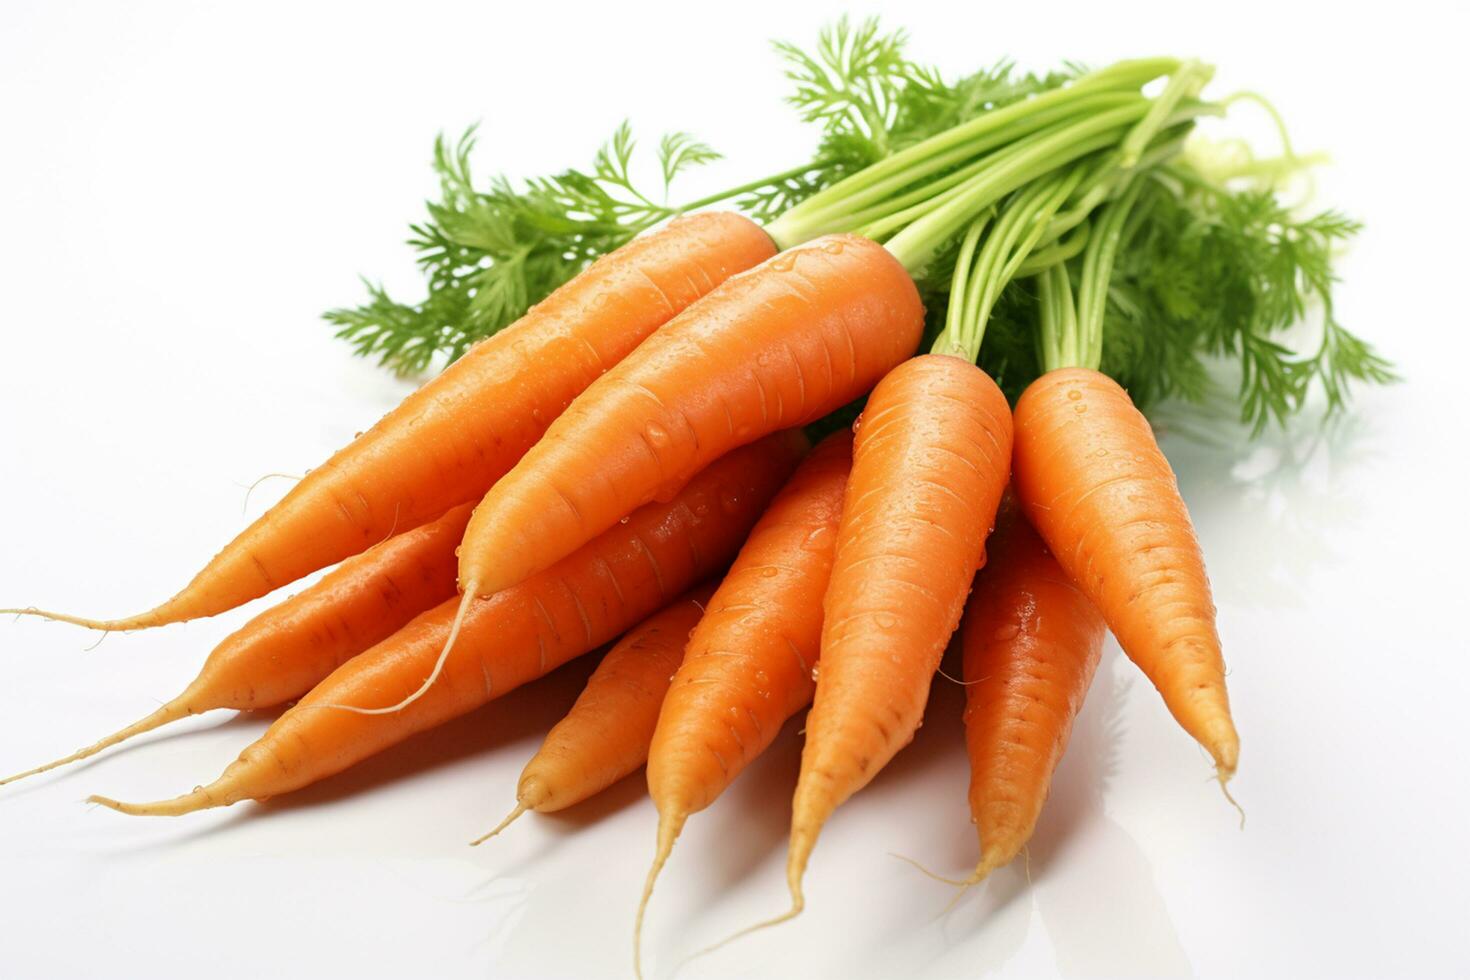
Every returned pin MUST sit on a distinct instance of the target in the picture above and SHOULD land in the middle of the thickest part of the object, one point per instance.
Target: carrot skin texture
(605, 735)
(283, 652)
(748, 664)
(459, 433)
(930, 462)
(518, 635)
(1031, 644)
(287, 650)
(1098, 490)
(775, 347)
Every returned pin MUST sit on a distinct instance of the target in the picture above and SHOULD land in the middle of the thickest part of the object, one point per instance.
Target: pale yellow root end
(1222, 777)
(510, 819)
(200, 799)
(981, 872)
(464, 608)
(669, 827)
(141, 621)
(172, 711)
(802, 842)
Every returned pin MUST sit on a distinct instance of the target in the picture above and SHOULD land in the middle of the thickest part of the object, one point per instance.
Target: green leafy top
(1209, 264)
(488, 254)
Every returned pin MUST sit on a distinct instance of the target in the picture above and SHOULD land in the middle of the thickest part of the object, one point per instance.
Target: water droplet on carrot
(625, 519)
(658, 436)
(885, 621)
(857, 423)
(1080, 409)
(1006, 632)
(783, 263)
(814, 671)
(833, 248)
(768, 572)
(730, 501)
(1074, 394)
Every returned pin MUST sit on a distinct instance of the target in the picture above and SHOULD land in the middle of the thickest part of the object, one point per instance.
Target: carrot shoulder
(1031, 644)
(930, 463)
(1094, 484)
(282, 653)
(523, 633)
(779, 346)
(454, 437)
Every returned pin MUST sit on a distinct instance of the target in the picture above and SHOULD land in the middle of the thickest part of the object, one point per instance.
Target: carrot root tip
(199, 799)
(172, 711)
(669, 828)
(1223, 777)
(105, 625)
(511, 818)
(798, 904)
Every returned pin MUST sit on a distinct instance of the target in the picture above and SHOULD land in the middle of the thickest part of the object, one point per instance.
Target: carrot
(1096, 487)
(605, 736)
(801, 334)
(573, 607)
(1031, 644)
(749, 663)
(930, 462)
(282, 653)
(779, 346)
(458, 434)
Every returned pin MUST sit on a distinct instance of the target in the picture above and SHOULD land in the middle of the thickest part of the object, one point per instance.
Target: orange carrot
(605, 736)
(779, 346)
(282, 653)
(454, 437)
(1031, 644)
(1100, 493)
(748, 666)
(929, 465)
(573, 607)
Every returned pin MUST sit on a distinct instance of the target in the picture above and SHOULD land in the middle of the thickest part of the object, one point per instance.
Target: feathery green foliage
(490, 254)
(1212, 264)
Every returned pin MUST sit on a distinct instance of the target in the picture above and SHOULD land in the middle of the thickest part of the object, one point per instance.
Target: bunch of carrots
(632, 461)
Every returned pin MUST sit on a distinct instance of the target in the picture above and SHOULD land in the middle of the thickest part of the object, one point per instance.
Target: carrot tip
(171, 711)
(1222, 777)
(106, 625)
(957, 882)
(200, 799)
(981, 872)
(514, 814)
(798, 904)
(669, 827)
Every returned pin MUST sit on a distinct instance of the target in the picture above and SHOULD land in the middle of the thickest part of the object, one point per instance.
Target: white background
(184, 188)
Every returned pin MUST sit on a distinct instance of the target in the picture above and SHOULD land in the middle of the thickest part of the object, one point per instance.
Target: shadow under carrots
(520, 715)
